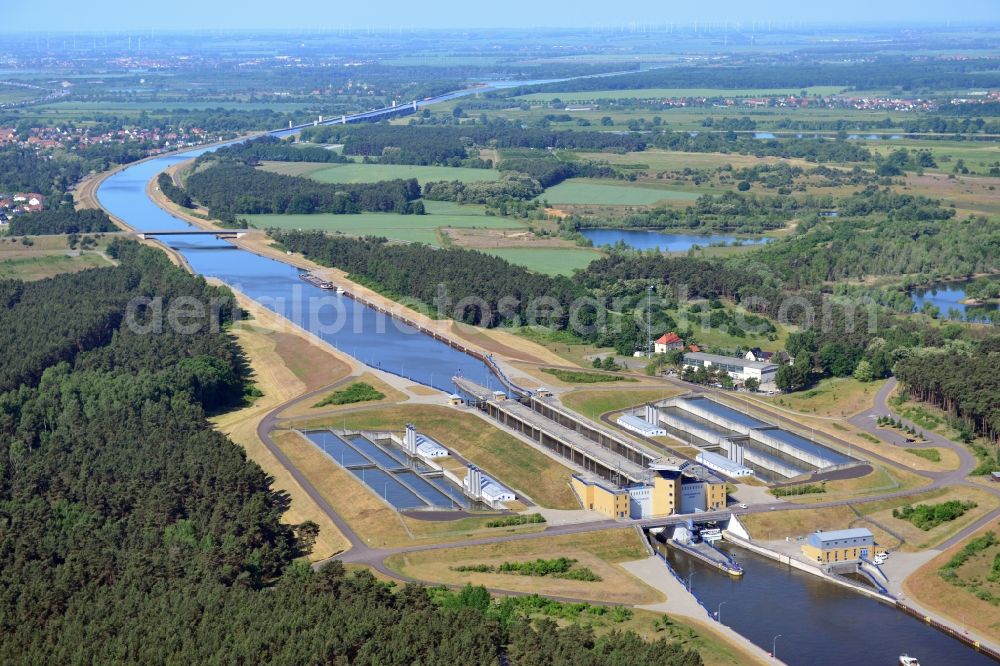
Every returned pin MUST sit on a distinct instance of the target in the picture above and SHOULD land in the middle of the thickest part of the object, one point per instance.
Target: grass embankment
(594, 403)
(956, 593)
(882, 479)
(354, 393)
(498, 453)
(832, 396)
(598, 551)
(284, 365)
(582, 377)
(878, 517)
(388, 396)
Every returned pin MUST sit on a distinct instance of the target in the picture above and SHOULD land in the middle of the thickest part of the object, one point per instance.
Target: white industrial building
(722, 464)
(640, 426)
(739, 369)
(486, 489)
(422, 445)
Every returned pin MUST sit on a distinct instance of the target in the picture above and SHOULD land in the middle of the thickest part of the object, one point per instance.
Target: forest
(61, 220)
(478, 288)
(447, 146)
(172, 192)
(135, 533)
(273, 149)
(229, 188)
(963, 382)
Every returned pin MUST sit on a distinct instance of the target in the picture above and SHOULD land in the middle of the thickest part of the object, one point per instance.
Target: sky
(119, 15)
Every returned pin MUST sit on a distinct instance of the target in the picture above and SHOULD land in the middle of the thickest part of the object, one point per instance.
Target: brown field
(308, 406)
(970, 194)
(513, 462)
(599, 551)
(960, 605)
(493, 238)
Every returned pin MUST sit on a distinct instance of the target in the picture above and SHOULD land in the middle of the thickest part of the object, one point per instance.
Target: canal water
(819, 623)
(369, 336)
(947, 297)
(642, 239)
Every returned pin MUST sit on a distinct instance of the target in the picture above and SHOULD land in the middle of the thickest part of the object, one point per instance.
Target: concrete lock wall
(762, 436)
(704, 434)
(769, 463)
(693, 407)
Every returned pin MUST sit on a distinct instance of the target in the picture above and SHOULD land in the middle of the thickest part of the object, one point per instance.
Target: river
(820, 623)
(642, 239)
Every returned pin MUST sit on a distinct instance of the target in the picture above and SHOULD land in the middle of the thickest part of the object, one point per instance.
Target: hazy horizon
(120, 15)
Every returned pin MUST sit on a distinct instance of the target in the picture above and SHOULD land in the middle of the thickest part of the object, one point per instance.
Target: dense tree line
(62, 220)
(23, 170)
(135, 533)
(229, 188)
(480, 289)
(965, 384)
(549, 171)
(445, 145)
(812, 149)
(509, 186)
(273, 149)
(172, 192)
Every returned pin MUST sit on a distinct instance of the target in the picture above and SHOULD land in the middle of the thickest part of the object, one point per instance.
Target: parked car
(743, 505)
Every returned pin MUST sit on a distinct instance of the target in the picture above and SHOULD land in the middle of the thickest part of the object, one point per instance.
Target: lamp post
(718, 613)
(774, 646)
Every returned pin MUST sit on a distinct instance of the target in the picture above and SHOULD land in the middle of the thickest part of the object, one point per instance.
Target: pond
(947, 297)
(643, 239)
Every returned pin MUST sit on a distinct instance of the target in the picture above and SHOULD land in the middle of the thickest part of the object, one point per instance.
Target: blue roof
(818, 538)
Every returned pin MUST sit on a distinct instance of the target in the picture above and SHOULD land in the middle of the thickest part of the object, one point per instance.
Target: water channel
(819, 623)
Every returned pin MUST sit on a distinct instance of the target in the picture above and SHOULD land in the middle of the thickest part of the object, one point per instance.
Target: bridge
(218, 233)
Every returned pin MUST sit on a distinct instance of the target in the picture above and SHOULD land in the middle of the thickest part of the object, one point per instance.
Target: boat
(340, 291)
(316, 281)
(907, 660)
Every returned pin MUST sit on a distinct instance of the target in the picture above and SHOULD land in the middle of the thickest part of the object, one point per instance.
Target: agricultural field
(11, 94)
(662, 93)
(548, 260)
(977, 155)
(372, 173)
(45, 257)
(410, 228)
(582, 191)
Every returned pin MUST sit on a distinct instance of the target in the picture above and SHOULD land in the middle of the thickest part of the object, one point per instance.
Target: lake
(947, 297)
(642, 239)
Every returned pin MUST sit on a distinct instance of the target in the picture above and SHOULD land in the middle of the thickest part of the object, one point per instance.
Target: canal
(819, 623)
(369, 336)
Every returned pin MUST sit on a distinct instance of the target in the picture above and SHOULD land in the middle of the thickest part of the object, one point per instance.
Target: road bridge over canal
(218, 233)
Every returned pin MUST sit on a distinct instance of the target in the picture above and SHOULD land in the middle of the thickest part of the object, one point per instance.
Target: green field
(38, 268)
(649, 93)
(584, 191)
(549, 260)
(371, 173)
(412, 228)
